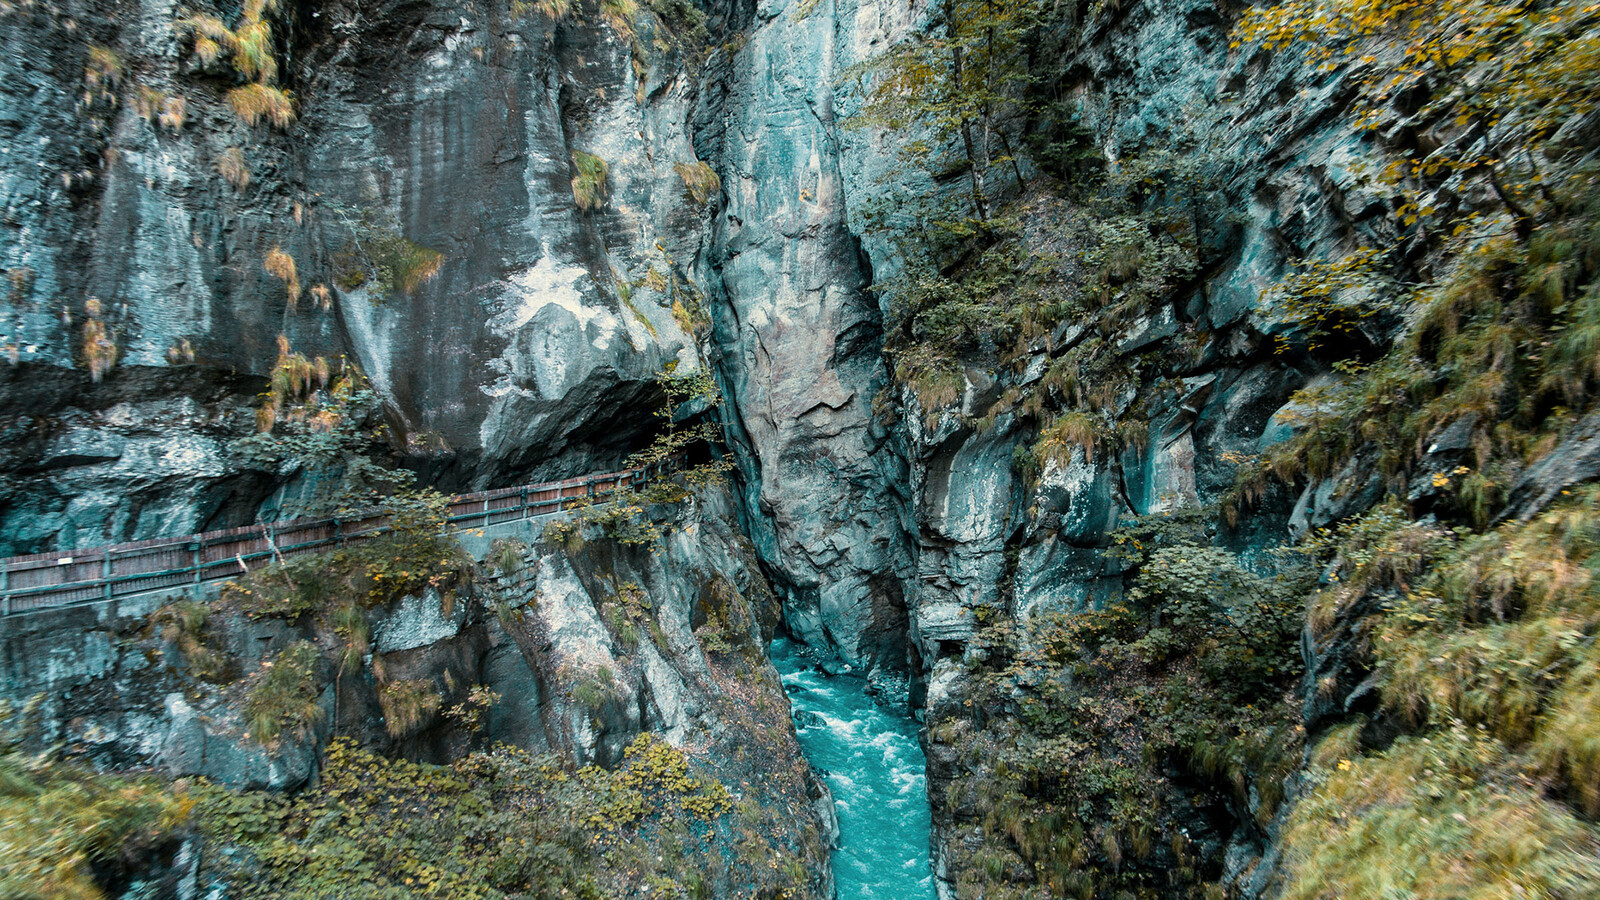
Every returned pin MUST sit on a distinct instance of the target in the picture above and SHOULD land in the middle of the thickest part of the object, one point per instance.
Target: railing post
(105, 568)
(524, 501)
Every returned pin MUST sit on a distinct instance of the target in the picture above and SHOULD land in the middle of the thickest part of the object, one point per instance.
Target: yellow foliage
(700, 180)
(174, 112)
(211, 36)
(554, 10)
(99, 345)
(281, 265)
(254, 102)
(1531, 63)
(232, 167)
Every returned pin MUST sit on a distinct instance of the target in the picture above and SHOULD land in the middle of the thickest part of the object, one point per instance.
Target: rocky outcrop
(142, 456)
(799, 340)
(585, 643)
(538, 625)
(531, 352)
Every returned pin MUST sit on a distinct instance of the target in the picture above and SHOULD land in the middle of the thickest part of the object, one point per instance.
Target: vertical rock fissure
(796, 337)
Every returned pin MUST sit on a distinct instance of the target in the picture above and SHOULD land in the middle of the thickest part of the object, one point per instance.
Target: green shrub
(627, 608)
(1441, 816)
(283, 695)
(590, 183)
(62, 824)
(618, 517)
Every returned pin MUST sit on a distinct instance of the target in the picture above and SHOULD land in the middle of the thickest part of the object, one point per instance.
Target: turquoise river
(871, 760)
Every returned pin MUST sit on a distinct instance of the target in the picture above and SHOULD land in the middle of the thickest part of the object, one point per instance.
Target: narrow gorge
(1111, 449)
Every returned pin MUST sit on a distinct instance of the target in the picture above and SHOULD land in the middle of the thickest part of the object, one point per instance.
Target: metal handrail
(61, 578)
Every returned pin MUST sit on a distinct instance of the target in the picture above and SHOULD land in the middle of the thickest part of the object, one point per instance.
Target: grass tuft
(174, 112)
(253, 103)
(591, 183)
(232, 167)
(1070, 431)
(283, 696)
(64, 827)
(100, 349)
(699, 180)
(1436, 818)
(554, 10)
(407, 704)
(280, 265)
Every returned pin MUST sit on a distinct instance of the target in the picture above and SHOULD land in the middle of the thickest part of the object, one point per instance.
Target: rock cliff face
(586, 645)
(531, 352)
(454, 130)
(799, 340)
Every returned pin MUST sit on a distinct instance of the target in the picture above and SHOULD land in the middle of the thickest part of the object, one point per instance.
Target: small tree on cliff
(961, 79)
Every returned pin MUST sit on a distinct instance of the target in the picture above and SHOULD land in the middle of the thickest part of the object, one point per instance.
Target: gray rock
(195, 746)
(1575, 460)
(416, 621)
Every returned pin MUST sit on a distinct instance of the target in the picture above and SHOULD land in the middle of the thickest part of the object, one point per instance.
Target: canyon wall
(728, 228)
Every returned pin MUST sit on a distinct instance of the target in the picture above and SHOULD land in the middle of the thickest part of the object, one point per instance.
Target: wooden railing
(92, 574)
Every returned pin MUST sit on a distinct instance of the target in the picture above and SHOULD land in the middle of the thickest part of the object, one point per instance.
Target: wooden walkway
(94, 574)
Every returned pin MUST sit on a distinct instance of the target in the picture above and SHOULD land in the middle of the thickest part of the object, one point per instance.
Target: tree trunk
(1016, 170)
(976, 169)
